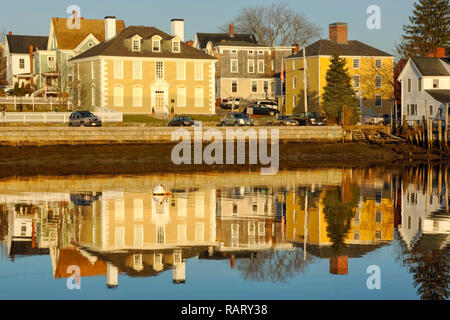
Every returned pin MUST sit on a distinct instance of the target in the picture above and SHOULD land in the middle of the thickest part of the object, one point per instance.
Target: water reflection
(267, 229)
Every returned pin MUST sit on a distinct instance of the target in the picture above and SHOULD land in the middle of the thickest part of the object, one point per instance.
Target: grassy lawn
(141, 118)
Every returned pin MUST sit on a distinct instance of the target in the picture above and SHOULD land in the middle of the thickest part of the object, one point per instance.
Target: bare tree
(3, 72)
(385, 72)
(275, 25)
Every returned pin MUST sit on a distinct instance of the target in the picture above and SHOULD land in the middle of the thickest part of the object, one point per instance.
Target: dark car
(181, 121)
(84, 119)
(236, 119)
(260, 110)
(284, 121)
(311, 119)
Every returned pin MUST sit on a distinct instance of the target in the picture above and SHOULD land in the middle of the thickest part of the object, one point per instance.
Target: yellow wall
(316, 72)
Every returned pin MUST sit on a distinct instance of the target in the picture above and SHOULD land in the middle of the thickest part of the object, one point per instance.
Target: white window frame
(181, 97)
(137, 75)
(356, 83)
(237, 65)
(435, 83)
(161, 63)
(419, 84)
(138, 209)
(93, 95)
(261, 63)
(356, 63)
(294, 101)
(133, 43)
(378, 82)
(118, 98)
(252, 52)
(198, 71)
(21, 63)
(176, 44)
(137, 97)
(378, 63)
(381, 101)
(118, 69)
(254, 82)
(199, 102)
(294, 82)
(232, 82)
(181, 66)
(252, 64)
(157, 46)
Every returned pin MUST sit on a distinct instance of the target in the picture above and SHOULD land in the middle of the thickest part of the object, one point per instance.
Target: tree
(340, 102)
(3, 71)
(429, 29)
(275, 25)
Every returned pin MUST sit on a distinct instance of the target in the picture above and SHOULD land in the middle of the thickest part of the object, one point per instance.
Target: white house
(425, 88)
(18, 57)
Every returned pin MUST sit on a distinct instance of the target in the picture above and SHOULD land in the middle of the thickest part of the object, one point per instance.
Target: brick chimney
(10, 33)
(231, 30)
(296, 48)
(339, 265)
(339, 32)
(437, 53)
(190, 43)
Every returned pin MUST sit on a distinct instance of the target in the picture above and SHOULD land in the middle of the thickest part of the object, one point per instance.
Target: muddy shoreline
(154, 158)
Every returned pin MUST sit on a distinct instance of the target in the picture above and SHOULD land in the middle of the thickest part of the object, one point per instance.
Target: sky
(32, 17)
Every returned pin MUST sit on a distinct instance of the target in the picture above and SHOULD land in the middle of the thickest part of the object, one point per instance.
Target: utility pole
(304, 79)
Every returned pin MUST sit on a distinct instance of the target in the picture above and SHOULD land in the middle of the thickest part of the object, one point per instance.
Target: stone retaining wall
(39, 136)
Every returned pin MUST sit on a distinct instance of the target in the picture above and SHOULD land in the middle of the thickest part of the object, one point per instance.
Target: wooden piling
(446, 128)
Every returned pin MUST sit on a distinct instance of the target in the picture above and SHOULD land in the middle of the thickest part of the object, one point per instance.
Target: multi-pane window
(435, 83)
(234, 86)
(261, 66)
(176, 46)
(159, 70)
(378, 100)
(266, 86)
(294, 82)
(199, 232)
(251, 66)
(160, 234)
(254, 86)
(294, 101)
(378, 82)
(118, 96)
(22, 63)
(199, 97)
(136, 45)
(198, 71)
(378, 64)
(51, 62)
(181, 70)
(137, 69)
(356, 81)
(234, 65)
(411, 109)
(118, 69)
(235, 230)
(419, 84)
(261, 228)
(409, 85)
(156, 45)
(181, 97)
(138, 208)
(137, 97)
(356, 63)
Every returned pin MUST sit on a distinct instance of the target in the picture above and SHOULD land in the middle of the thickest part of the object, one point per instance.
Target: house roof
(21, 44)
(349, 48)
(440, 95)
(204, 38)
(116, 46)
(235, 43)
(432, 66)
(71, 256)
(69, 39)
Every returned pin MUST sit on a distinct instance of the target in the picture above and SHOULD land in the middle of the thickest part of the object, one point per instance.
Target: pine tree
(339, 96)
(429, 29)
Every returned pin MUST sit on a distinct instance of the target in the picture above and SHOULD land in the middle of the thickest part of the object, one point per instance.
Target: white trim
(197, 97)
(129, 58)
(196, 65)
(137, 98)
(248, 66)
(182, 96)
(183, 76)
(156, 70)
(90, 36)
(135, 75)
(231, 65)
(118, 98)
(118, 70)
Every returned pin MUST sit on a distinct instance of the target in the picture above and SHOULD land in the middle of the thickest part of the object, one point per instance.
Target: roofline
(327, 56)
(97, 57)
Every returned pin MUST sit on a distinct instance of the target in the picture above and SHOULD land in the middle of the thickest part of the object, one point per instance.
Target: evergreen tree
(339, 96)
(16, 89)
(429, 28)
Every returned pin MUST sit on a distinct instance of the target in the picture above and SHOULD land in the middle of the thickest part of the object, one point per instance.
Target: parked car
(311, 119)
(181, 121)
(260, 110)
(285, 121)
(268, 103)
(301, 121)
(84, 119)
(228, 103)
(236, 119)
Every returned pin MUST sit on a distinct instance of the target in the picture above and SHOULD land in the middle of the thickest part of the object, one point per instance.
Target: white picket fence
(53, 117)
(32, 101)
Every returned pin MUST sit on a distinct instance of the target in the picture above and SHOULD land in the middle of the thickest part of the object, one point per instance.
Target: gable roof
(215, 38)
(21, 44)
(432, 66)
(440, 95)
(234, 43)
(116, 46)
(69, 39)
(349, 48)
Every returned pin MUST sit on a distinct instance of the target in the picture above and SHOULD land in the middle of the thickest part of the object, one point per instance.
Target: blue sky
(33, 17)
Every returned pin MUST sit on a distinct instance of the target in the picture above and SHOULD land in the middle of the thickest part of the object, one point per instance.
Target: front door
(159, 101)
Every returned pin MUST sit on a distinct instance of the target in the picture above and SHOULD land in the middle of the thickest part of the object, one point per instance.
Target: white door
(159, 100)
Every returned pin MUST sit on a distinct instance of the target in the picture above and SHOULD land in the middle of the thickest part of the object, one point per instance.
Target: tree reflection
(274, 265)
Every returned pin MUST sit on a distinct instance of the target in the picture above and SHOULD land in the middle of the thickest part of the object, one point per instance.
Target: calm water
(307, 234)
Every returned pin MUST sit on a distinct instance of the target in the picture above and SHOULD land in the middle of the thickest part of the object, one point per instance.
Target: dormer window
(156, 45)
(175, 46)
(136, 45)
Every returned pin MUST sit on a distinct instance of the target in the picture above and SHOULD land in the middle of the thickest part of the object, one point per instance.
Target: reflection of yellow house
(365, 64)
(373, 221)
